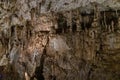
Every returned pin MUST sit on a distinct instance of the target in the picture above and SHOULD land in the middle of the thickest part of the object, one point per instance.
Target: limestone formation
(59, 39)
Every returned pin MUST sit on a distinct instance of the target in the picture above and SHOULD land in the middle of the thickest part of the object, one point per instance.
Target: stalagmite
(26, 76)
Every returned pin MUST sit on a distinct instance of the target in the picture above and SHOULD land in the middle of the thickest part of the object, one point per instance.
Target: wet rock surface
(59, 40)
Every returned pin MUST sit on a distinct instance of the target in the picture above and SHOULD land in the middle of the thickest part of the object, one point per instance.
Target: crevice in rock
(39, 70)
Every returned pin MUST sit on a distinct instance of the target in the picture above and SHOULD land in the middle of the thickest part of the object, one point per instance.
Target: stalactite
(4, 5)
(78, 20)
(116, 13)
(96, 12)
(24, 36)
(38, 8)
(109, 28)
(70, 21)
(119, 23)
(9, 46)
(105, 20)
(112, 26)
(54, 20)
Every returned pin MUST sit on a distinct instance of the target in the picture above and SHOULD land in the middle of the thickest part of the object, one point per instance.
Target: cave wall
(40, 42)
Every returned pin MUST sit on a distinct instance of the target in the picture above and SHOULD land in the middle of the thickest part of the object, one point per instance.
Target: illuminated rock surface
(59, 40)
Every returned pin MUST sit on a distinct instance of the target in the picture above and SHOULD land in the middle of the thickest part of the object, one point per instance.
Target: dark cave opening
(87, 19)
(12, 30)
(74, 27)
(39, 70)
(59, 30)
(62, 25)
(109, 18)
(52, 77)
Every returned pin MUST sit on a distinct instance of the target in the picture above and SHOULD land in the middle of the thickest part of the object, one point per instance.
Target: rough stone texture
(62, 5)
(59, 39)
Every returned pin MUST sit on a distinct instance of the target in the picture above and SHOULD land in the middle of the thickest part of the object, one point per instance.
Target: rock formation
(59, 39)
